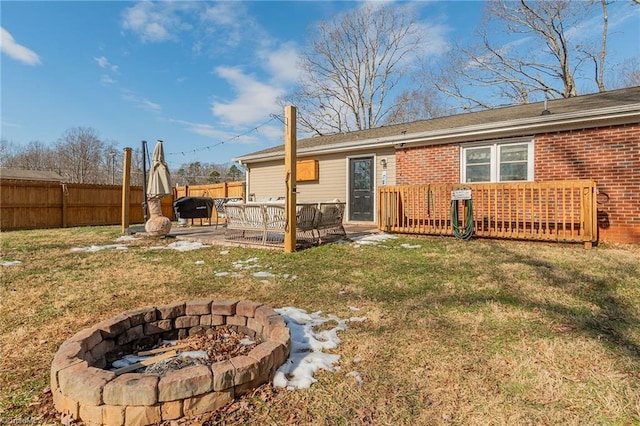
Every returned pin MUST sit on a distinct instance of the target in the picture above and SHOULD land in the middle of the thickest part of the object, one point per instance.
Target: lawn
(477, 332)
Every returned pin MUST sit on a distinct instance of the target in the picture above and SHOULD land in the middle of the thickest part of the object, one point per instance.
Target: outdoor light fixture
(383, 161)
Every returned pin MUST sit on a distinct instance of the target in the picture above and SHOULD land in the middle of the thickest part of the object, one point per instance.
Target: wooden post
(290, 178)
(126, 188)
(65, 194)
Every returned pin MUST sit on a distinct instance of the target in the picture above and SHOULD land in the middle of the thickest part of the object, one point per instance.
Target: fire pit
(86, 387)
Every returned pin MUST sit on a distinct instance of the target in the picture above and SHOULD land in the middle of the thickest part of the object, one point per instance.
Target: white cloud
(139, 102)
(105, 80)
(103, 62)
(203, 129)
(157, 21)
(6, 123)
(222, 136)
(228, 23)
(254, 101)
(16, 51)
(282, 63)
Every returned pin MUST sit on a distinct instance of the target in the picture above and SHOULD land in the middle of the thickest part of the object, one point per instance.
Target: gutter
(518, 127)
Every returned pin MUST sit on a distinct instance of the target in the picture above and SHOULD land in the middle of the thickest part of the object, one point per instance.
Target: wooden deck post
(290, 178)
(126, 189)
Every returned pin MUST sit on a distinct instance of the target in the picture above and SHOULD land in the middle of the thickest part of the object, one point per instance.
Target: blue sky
(202, 76)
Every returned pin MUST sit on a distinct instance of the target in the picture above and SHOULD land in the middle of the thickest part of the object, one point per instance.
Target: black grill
(193, 207)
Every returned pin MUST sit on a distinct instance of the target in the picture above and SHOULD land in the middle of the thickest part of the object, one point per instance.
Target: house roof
(577, 112)
(20, 174)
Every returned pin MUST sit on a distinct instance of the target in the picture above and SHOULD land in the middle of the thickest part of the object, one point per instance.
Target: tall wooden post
(290, 142)
(126, 189)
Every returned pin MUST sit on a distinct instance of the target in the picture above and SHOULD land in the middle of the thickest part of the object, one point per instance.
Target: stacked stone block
(85, 391)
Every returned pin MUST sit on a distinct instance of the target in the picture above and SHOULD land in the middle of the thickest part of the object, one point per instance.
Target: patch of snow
(224, 252)
(357, 319)
(127, 360)
(373, 238)
(220, 274)
(199, 262)
(353, 308)
(94, 249)
(126, 238)
(181, 246)
(246, 341)
(194, 354)
(263, 274)
(356, 376)
(306, 356)
(10, 262)
(409, 246)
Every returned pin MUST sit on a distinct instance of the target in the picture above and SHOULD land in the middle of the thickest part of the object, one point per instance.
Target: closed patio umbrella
(159, 183)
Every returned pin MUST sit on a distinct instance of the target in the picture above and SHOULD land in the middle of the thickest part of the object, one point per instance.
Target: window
(497, 162)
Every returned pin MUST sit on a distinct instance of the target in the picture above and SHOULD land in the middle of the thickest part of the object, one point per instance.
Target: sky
(204, 77)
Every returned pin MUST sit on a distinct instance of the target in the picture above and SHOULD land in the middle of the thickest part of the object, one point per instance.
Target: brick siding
(608, 155)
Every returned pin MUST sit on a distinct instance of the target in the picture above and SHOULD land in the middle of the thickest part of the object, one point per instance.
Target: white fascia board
(518, 127)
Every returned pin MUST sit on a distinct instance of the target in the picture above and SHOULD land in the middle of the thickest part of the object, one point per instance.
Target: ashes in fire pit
(204, 347)
(222, 349)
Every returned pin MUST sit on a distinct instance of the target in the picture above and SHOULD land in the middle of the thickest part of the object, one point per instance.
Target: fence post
(290, 138)
(587, 213)
(126, 188)
(65, 194)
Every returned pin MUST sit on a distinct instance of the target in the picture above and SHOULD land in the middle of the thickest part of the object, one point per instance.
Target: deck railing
(551, 210)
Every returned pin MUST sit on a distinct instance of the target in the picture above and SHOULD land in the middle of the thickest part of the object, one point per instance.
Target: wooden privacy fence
(39, 204)
(550, 211)
(214, 190)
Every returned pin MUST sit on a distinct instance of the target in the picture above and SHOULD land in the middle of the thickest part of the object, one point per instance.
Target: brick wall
(611, 157)
(433, 164)
(608, 155)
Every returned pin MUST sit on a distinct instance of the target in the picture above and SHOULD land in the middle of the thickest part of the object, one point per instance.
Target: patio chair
(219, 204)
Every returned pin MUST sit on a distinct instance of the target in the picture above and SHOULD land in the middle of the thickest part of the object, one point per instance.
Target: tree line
(81, 156)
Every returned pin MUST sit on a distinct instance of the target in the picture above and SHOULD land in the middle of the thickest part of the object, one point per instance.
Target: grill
(193, 207)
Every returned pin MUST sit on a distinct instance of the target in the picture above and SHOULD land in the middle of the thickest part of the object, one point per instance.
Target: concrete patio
(212, 235)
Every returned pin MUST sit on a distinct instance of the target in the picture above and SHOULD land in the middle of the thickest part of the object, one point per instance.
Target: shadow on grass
(600, 313)
(611, 321)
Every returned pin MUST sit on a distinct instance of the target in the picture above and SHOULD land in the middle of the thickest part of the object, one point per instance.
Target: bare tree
(546, 54)
(628, 74)
(81, 155)
(416, 104)
(35, 156)
(352, 66)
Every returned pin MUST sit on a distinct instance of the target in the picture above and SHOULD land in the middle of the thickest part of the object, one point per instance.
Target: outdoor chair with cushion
(219, 203)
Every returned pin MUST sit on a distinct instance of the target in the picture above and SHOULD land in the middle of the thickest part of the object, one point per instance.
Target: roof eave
(518, 127)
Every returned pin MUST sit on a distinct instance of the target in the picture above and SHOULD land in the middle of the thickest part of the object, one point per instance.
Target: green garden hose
(468, 227)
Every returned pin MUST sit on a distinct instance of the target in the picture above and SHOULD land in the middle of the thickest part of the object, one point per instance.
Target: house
(33, 175)
(594, 136)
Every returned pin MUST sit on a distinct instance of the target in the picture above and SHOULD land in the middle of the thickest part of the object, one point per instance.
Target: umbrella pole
(144, 180)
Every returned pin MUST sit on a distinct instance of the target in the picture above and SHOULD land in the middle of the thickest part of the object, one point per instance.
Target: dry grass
(479, 332)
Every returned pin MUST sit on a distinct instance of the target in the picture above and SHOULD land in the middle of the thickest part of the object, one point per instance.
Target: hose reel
(462, 194)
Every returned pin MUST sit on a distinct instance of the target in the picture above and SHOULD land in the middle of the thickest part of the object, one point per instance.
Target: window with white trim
(498, 161)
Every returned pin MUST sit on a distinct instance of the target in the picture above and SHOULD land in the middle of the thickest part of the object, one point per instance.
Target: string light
(255, 129)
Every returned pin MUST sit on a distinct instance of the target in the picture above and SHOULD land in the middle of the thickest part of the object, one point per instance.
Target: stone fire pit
(84, 390)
